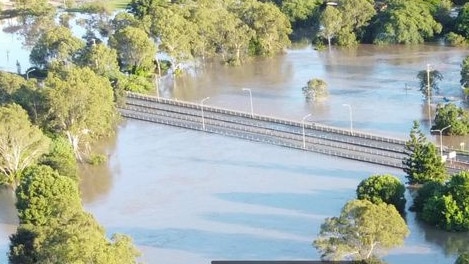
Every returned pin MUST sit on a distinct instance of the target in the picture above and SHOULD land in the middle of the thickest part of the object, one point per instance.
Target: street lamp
(303, 123)
(202, 109)
(250, 98)
(441, 136)
(28, 71)
(428, 95)
(351, 122)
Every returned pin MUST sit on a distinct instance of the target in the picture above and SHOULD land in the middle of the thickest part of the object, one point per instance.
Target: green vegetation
(55, 229)
(445, 205)
(428, 81)
(422, 162)
(455, 117)
(362, 229)
(315, 88)
(462, 259)
(383, 189)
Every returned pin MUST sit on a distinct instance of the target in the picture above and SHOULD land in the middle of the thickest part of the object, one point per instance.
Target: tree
(9, 84)
(428, 80)
(55, 229)
(362, 229)
(384, 188)
(456, 117)
(462, 21)
(315, 88)
(462, 259)
(356, 16)
(422, 162)
(35, 7)
(297, 10)
(21, 143)
(445, 206)
(61, 158)
(99, 58)
(270, 25)
(136, 51)
(55, 45)
(90, 115)
(405, 22)
(465, 73)
(331, 21)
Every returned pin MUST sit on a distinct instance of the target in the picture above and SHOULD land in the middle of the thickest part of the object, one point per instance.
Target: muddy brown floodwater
(191, 197)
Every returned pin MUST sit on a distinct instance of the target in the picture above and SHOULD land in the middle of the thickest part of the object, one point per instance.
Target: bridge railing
(316, 126)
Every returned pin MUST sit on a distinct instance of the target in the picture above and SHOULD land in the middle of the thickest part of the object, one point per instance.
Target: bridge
(301, 135)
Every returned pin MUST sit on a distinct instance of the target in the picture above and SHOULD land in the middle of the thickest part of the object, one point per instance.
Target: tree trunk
(74, 140)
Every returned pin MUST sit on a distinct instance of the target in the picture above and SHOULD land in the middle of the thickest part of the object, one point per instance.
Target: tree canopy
(384, 188)
(362, 229)
(21, 143)
(455, 117)
(422, 162)
(90, 115)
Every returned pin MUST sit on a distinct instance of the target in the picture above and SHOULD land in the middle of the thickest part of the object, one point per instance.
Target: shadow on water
(222, 245)
(452, 243)
(8, 214)
(325, 203)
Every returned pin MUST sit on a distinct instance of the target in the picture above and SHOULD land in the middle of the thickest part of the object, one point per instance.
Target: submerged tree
(428, 80)
(362, 229)
(384, 188)
(315, 88)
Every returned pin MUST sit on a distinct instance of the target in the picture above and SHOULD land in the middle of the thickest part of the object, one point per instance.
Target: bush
(97, 159)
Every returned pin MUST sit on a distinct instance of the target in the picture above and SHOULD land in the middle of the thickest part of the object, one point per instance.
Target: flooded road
(190, 197)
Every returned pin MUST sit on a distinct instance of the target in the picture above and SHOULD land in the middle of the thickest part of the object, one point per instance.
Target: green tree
(465, 74)
(55, 229)
(424, 193)
(99, 58)
(447, 207)
(462, 259)
(34, 7)
(331, 21)
(56, 45)
(9, 84)
(422, 162)
(362, 229)
(61, 158)
(315, 88)
(462, 21)
(299, 9)
(428, 80)
(405, 22)
(136, 51)
(356, 16)
(90, 115)
(270, 25)
(21, 144)
(454, 116)
(384, 188)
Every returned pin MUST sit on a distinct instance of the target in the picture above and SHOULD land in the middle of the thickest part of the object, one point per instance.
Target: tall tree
(136, 51)
(384, 188)
(405, 22)
(331, 21)
(21, 144)
(55, 229)
(99, 58)
(454, 116)
(422, 162)
(90, 115)
(297, 10)
(356, 16)
(56, 45)
(462, 21)
(465, 73)
(428, 81)
(362, 229)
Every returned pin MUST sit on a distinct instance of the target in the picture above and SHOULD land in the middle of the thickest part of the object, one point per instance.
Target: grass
(119, 4)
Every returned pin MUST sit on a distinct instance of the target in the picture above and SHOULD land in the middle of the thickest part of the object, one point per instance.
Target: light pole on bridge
(303, 124)
(351, 121)
(202, 109)
(250, 98)
(441, 136)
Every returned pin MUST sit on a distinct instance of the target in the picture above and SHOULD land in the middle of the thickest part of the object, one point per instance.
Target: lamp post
(250, 99)
(28, 71)
(441, 136)
(303, 123)
(351, 121)
(428, 95)
(202, 109)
